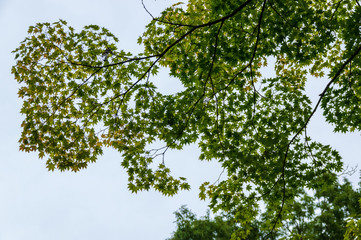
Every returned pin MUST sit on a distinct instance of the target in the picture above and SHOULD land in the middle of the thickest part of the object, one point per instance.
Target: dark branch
(338, 73)
(165, 22)
(338, 5)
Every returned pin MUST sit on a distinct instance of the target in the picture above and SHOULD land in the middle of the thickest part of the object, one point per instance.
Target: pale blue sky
(95, 203)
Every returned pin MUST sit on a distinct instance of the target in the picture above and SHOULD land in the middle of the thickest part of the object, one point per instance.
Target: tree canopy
(81, 93)
(330, 212)
(191, 227)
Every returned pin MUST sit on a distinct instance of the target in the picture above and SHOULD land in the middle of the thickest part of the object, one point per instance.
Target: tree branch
(338, 73)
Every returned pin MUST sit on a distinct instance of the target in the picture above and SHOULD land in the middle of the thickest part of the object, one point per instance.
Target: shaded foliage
(189, 227)
(331, 212)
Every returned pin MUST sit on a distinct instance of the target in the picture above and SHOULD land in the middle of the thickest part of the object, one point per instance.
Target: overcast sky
(95, 203)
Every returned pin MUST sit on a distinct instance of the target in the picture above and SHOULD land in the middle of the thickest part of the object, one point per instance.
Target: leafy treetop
(331, 212)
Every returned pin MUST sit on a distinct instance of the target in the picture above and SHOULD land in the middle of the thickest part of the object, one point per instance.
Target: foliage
(353, 226)
(323, 214)
(353, 229)
(77, 99)
(189, 227)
